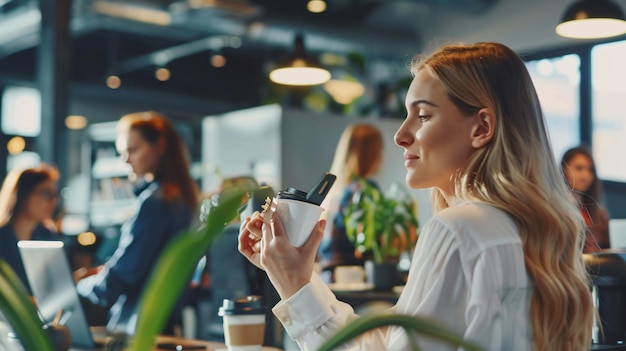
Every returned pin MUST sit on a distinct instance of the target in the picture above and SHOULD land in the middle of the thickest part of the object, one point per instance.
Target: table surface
(174, 341)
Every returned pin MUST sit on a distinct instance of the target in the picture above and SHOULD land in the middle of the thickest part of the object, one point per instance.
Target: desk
(357, 299)
(208, 345)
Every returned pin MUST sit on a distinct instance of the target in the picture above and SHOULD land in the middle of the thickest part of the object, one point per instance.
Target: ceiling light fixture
(592, 19)
(113, 82)
(316, 6)
(299, 69)
(344, 88)
(75, 122)
(162, 74)
(218, 60)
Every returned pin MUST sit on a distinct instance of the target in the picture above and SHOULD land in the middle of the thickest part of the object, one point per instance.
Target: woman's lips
(410, 159)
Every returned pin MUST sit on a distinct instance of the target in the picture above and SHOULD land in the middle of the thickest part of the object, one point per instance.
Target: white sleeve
(313, 315)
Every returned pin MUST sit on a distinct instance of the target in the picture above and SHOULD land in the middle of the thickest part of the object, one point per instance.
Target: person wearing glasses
(28, 199)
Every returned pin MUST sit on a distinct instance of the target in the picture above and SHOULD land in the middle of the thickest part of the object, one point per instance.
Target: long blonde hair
(517, 173)
(359, 153)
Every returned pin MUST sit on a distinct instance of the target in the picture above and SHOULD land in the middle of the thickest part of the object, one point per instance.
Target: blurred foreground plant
(176, 265)
(21, 312)
(412, 325)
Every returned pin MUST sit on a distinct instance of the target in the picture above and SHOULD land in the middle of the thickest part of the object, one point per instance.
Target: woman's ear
(483, 131)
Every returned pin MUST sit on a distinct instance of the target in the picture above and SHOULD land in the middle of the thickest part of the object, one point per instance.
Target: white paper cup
(299, 218)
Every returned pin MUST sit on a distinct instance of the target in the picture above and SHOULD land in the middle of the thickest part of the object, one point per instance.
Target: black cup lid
(292, 194)
(252, 304)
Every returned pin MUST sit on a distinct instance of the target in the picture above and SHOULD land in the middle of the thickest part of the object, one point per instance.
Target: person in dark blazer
(167, 201)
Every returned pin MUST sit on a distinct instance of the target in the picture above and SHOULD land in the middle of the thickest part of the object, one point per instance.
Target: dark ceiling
(114, 37)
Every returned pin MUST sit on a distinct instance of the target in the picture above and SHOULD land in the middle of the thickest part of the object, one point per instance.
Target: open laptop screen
(52, 283)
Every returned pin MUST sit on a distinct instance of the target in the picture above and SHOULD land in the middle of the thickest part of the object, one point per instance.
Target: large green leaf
(419, 326)
(175, 266)
(20, 311)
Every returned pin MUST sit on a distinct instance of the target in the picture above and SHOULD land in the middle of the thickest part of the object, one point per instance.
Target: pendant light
(299, 69)
(592, 19)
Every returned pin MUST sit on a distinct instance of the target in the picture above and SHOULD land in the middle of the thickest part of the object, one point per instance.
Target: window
(608, 73)
(21, 111)
(557, 81)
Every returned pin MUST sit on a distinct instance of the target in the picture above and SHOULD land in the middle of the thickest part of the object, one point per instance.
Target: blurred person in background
(167, 202)
(358, 155)
(581, 176)
(28, 200)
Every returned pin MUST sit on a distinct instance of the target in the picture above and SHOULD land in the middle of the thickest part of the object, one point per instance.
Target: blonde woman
(500, 262)
(358, 156)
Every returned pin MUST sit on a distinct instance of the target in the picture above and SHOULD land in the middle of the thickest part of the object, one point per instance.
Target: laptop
(617, 233)
(53, 287)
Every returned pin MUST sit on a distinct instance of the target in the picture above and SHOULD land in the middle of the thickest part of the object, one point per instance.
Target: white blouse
(467, 271)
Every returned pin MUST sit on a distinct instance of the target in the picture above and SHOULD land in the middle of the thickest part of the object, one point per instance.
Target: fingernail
(323, 224)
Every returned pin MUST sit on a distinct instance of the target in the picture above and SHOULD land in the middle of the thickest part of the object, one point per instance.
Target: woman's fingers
(249, 244)
(311, 245)
(254, 226)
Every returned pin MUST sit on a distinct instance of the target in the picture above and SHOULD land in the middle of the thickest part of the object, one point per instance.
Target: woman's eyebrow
(421, 101)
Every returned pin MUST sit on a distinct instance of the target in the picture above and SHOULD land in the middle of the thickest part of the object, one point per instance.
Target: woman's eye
(423, 117)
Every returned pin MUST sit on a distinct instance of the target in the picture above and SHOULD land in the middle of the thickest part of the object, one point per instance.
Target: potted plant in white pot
(381, 225)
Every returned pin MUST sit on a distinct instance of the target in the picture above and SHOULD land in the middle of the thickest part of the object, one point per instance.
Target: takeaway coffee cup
(299, 218)
(244, 323)
(299, 211)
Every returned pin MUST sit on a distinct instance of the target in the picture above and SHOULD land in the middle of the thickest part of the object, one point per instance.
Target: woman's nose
(403, 137)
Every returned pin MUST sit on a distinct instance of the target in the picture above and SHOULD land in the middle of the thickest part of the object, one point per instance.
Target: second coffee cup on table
(244, 323)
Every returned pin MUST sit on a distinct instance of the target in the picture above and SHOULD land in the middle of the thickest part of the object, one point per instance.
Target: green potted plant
(382, 226)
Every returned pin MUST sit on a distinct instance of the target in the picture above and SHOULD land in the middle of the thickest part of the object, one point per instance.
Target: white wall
(245, 142)
(309, 140)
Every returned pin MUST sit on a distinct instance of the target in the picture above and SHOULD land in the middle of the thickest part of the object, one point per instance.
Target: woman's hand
(266, 245)
(83, 272)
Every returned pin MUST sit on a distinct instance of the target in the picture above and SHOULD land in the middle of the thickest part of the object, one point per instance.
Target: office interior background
(70, 69)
